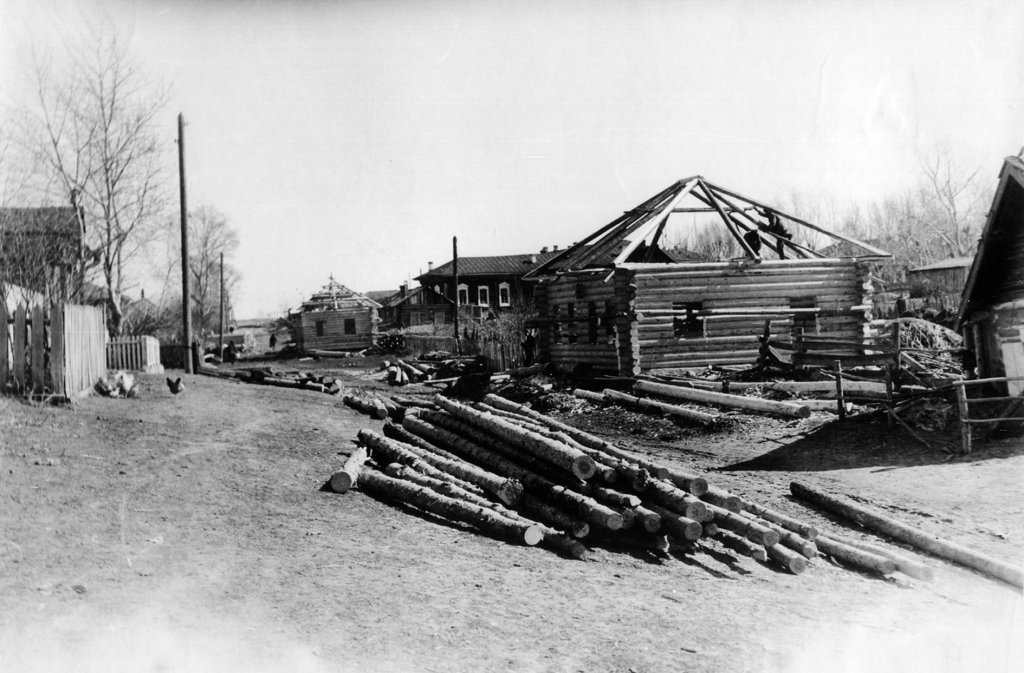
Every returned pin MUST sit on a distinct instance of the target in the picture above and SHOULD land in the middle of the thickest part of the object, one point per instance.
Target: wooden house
(415, 307)
(336, 318)
(991, 314)
(618, 301)
(487, 286)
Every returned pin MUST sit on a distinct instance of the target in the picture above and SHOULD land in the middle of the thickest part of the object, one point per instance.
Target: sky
(357, 138)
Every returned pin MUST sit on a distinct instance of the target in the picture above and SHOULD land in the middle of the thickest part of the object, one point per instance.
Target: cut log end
(533, 535)
(692, 530)
(584, 467)
(511, 492)
(341, 482)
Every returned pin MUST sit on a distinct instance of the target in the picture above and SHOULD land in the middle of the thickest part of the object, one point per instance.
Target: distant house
(42, 250)
(991, 315)
(336, 318)
(416, 307)
(487, 285)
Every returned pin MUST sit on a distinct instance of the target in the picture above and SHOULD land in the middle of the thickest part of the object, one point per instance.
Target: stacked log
(523, 476)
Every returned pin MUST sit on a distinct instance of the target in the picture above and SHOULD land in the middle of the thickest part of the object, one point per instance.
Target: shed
(618, 300)
(943, 277)
(336, 318)
(991, 315)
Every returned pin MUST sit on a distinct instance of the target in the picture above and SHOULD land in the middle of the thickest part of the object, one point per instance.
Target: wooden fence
(140, 354)
(502, 355)
(58, 351)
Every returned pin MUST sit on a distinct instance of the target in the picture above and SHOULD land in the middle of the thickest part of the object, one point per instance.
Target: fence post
(965, 424)
(57, 349)
(18, 365)
(4, 365)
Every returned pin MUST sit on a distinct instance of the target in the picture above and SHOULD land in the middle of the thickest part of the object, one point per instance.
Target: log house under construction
(616, 301)
(336, 318)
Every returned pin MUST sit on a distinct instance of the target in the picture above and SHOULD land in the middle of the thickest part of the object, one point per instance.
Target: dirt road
(190, 533)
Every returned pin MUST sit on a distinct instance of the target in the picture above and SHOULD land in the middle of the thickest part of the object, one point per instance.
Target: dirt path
(190, 533)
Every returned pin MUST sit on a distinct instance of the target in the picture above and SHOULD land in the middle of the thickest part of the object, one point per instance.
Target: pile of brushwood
(514, 473)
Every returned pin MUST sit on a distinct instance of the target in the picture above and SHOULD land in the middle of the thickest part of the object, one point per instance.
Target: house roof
(951, 263)
(498, 265)
(334, 296)
(381, 296)
(634, 236)
(435, 298)
(1001, 245)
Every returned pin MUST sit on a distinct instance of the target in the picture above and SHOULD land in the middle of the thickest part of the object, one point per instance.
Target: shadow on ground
(867, 441)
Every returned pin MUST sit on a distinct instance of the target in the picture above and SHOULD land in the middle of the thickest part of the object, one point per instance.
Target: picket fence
(138, 354)
(57, 351)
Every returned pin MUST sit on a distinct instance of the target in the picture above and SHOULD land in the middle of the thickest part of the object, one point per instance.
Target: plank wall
(334, 337)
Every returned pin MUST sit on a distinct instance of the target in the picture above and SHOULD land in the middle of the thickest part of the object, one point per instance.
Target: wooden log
(723, 499)
(797, 543)
(677, 525)
(710, 528)
(399, 433)
(787, 558)
(898, 530)
(690, 483)
(414, 373)
(590, 396)
(904, 564)
(648, 519)
(548, 513)
(628, 517)
(507, 490)
(412, 402)
(673, 410)
(741, 545)
(668, 496)
(523, 372)
(559, 454)
(785, 521)
(752, 530)
(584, 438)
(348, 475)
(580, 505)
(372, 407)
(553, 539)
(724, 399)
(389, 488)
(612, 497)
(855, 557)
(395, 412)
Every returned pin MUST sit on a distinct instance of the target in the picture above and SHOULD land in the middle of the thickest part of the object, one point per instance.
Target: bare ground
(191, 533)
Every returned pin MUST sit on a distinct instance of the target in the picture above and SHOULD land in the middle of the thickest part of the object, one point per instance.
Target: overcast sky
(356, 138)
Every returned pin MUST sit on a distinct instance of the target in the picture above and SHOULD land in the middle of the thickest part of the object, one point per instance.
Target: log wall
(334, 336)
(694, 315)
(665, 316)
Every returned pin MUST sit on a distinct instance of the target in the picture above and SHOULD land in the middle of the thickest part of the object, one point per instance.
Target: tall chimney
(430, 267)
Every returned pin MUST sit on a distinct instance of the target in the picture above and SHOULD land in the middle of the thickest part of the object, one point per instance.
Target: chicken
(175, 386)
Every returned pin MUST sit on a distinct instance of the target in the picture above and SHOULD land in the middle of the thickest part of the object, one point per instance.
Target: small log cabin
(617, 301)
(336, 318)
(991, 315)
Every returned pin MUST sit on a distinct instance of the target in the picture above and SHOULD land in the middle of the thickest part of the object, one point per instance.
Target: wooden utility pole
(455, 282)
(220, 339)
(186, 297)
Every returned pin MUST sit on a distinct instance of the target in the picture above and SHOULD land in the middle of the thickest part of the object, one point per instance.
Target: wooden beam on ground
(348, 475)
(724, 399)
(881, 523)
(674, 410)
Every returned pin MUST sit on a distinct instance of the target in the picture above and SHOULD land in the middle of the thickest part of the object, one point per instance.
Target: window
(350, 325)
(483, 295)
(319, 327)
(609, 322)
(592, 322)
(504, 295)
(556, 326)
(686, 324)
(804, 321)
(570, 317)
(463, 294)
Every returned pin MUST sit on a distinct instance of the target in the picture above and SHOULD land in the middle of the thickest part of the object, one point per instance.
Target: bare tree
(209, 236)
(96, 123)
(949, 206)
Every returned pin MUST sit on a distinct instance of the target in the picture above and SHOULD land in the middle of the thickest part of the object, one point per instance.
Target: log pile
(514, 473)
